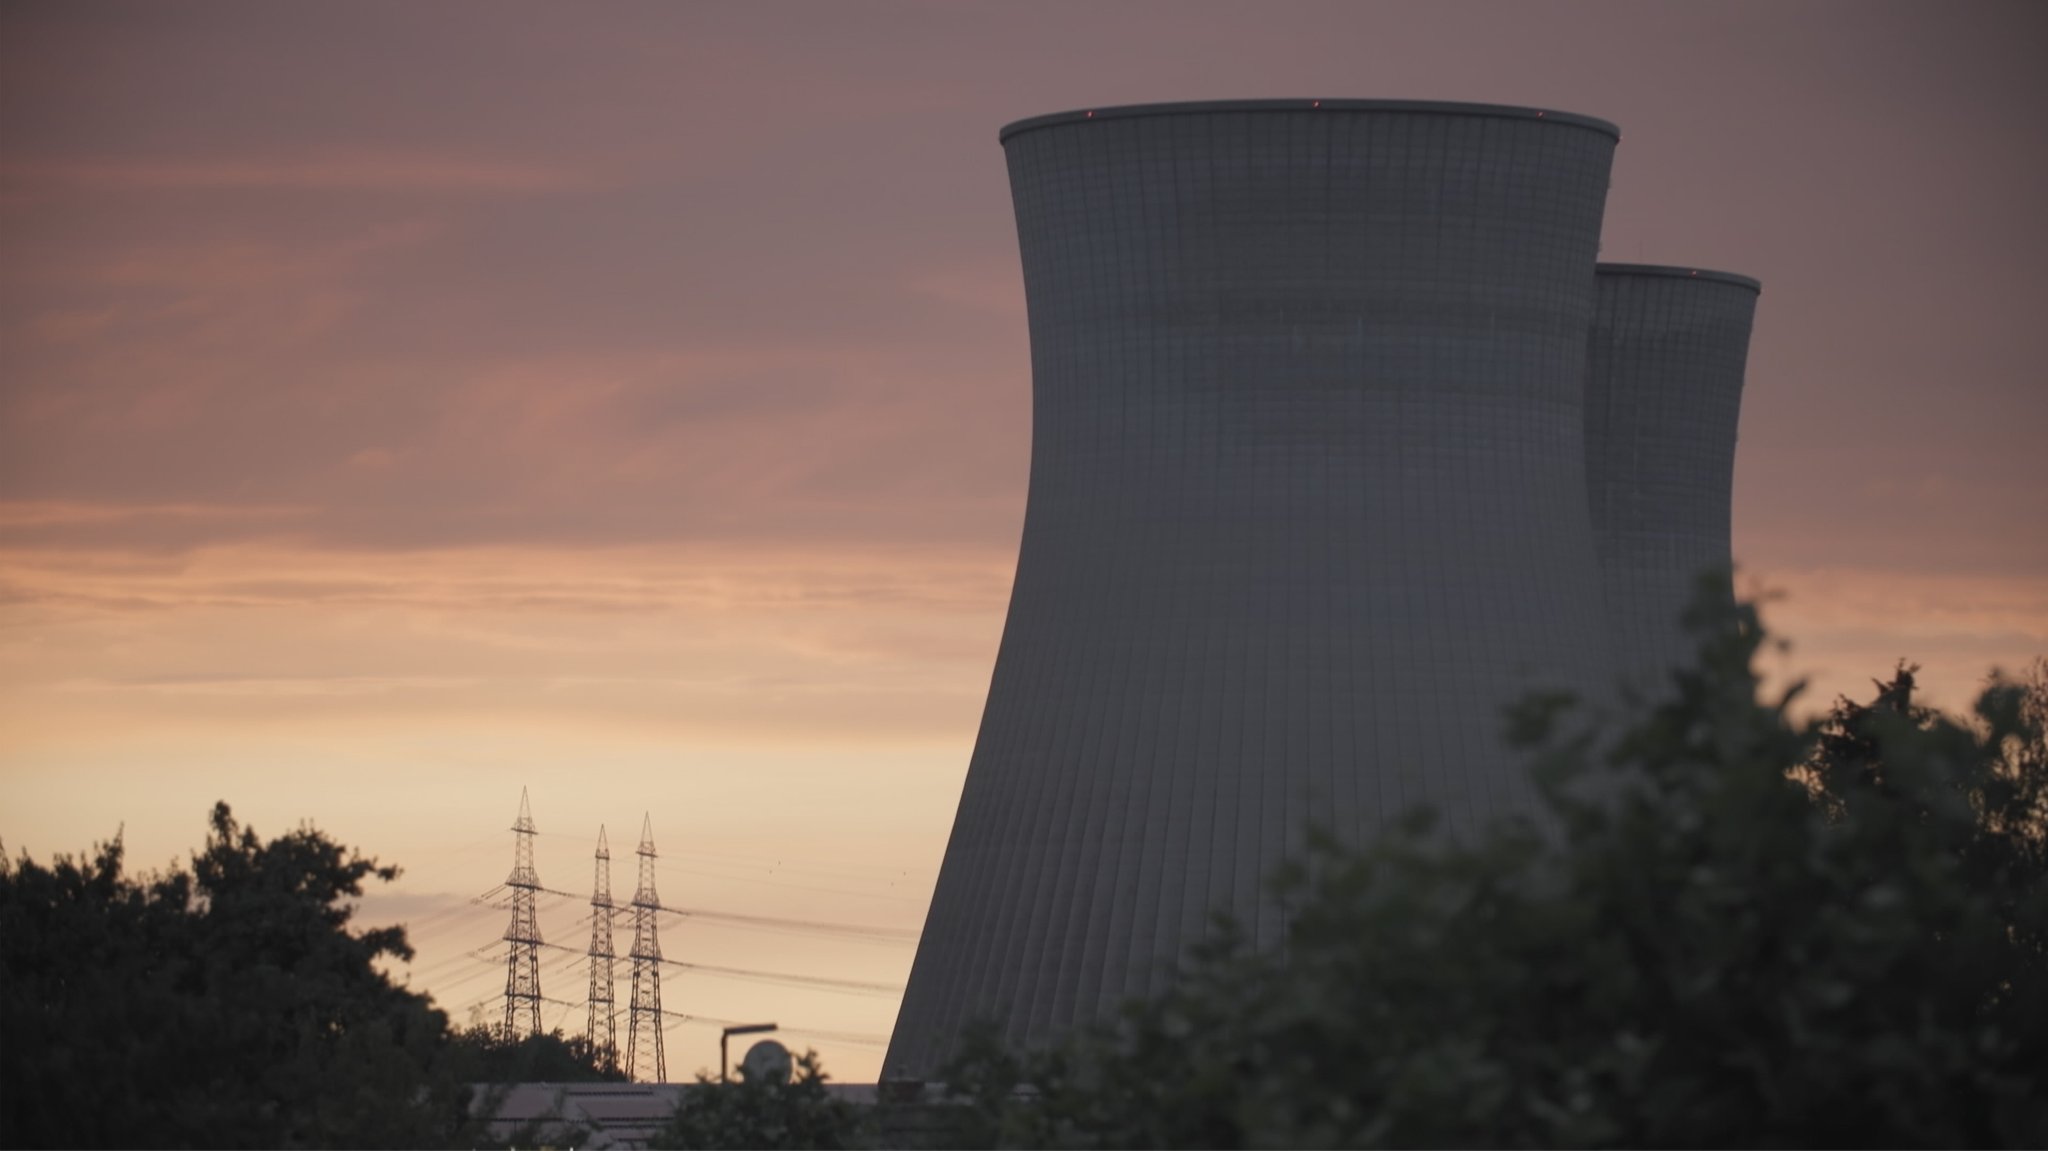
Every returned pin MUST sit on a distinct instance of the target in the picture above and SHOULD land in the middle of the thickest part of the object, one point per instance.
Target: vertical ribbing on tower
(1664, 369)
(1307, 510)
(643, 1019)
(602, 1026)
(522, 935)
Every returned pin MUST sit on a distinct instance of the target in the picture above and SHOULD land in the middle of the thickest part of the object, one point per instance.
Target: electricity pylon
(522, 955)
(643, 1018)
(603, 1025)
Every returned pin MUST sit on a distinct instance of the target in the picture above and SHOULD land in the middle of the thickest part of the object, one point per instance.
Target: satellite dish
(767, 1062)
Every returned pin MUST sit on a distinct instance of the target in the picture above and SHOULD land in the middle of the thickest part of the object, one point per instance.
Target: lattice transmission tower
(643, 1018)
(603, 1025)
(522, 936)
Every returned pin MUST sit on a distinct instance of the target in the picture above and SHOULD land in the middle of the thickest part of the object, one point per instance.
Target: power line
(794, 886)
(468, 925)
(856, 1038)
(434, 921)
(827, 867)
(457, 990)
(811, 926)
(447, 963)
(805, 926)
(821, 981)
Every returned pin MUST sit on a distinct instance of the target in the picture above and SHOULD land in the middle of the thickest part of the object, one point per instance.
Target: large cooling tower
(1664, 370)
(1307, 510)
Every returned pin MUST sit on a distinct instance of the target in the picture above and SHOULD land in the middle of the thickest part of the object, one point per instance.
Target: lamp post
(728, 1033)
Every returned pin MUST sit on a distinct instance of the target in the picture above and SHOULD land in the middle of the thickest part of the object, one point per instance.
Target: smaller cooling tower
(1663, 391)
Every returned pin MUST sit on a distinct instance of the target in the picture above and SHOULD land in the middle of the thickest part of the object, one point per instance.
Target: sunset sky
(401, 405)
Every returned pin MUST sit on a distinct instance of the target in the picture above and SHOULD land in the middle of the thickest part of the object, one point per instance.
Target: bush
(1686, 950)
(765, 1113)
(227, 1005)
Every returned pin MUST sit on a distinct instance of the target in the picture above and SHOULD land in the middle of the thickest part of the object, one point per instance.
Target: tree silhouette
(1690, 951)
(225, 1005)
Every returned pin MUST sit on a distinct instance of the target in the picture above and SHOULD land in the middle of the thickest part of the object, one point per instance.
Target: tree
(225, 1005)
(485, 1054)
(751, 1112)
(1687, 949)
(2006, 785)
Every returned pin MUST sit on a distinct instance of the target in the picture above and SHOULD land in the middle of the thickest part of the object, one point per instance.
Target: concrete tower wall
(1664, 370)
(1307, 509)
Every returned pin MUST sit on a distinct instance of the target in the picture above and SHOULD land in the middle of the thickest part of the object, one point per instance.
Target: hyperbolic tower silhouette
(1664, 370)
(1307, 510)
(602, 1025)
(522, 935)
(644, 1049)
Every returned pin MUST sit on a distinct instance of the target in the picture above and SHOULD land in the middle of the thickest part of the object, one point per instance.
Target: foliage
(224, 1004)
(765, 1113)
(493, 1063)
(1686, 950)
(484, 1054)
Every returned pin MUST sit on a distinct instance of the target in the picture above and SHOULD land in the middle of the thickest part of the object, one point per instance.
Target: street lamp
(728, 1033)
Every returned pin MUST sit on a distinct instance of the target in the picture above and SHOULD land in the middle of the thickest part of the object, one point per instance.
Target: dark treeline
(1730, 929)
(1726, 928)
(229, 1003)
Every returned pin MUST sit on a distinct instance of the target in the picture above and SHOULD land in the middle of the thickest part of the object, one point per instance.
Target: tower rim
(1680, 272)
(1306, 104)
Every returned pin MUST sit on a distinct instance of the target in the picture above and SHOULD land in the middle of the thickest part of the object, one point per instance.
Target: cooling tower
(1307, 509)
(1664, 369)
